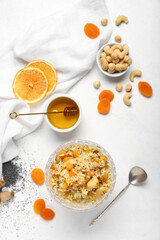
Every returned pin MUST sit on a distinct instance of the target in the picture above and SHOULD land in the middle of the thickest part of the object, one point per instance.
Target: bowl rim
(61, 201)
(99, 65)
(49, 100)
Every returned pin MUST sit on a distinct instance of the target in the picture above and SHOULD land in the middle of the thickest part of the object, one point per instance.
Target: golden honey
(58, 120)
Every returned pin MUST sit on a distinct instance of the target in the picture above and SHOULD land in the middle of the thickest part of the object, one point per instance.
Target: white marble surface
(131, 136)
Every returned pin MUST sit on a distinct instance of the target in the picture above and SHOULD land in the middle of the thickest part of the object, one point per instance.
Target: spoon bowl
(137, 175)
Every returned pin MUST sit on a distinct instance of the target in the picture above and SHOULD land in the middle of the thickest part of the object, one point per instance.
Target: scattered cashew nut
(126, 98)
(2, 183)
(6, 195)
(119, 87)
(121, 19)
(104, 21)
(118, 38)
(135, 73)
(96, 84)
(128, 87)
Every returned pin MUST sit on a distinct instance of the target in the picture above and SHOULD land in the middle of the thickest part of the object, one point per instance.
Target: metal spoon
(137, 176)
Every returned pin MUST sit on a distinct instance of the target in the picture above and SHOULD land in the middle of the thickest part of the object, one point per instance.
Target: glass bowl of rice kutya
(80, 175)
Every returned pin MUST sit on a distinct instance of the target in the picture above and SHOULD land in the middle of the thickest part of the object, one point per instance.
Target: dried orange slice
(30, 85)
(48, 70)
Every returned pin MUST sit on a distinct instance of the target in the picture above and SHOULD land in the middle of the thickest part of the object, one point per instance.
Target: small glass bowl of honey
(61, 122)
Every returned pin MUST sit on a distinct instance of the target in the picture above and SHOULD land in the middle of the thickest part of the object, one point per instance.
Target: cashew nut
(103, 54)
(104, 21)
(135, 73)
(104, 64)
(121, 19)
(125, 49)
(111, 66)
(117, 46)
(96, 84)
(114, 55)
(124, 52)
(118, 38)
(119, 87)
(126, 98)
(127, 59)
(121, 67)
(115, 60)
(109, 59)
(128, 87)
(2, 183)
(6, 195)
(106, 49)
(111, 71)
(93, 183)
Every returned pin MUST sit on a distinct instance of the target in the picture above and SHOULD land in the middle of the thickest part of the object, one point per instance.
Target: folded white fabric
(60, 40)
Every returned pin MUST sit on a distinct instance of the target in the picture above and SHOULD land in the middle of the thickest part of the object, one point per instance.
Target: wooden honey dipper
(68, 111)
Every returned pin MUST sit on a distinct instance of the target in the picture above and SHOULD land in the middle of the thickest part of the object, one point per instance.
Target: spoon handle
(14, 115)
(105, 209)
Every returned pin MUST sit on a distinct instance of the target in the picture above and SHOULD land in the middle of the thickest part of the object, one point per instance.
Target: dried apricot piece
(62, 153)
(37, 176)
(53, 167)
(145, 89)
(39, 205)
(47, 214)
(104, 106)
(91, 30)
(106, 94)
(69, 166)
(91, 173)
(104, 158)
(66, 159)
(75, 153)
(65, 185)
(72, 174)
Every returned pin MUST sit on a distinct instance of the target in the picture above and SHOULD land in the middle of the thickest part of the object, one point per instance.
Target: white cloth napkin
(60, 40)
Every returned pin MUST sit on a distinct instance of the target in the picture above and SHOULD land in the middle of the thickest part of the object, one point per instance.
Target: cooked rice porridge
(81, 174)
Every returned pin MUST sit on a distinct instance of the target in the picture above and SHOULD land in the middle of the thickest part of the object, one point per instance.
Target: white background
(130, 134)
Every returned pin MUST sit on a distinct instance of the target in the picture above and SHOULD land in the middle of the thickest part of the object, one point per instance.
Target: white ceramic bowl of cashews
(113, 59)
